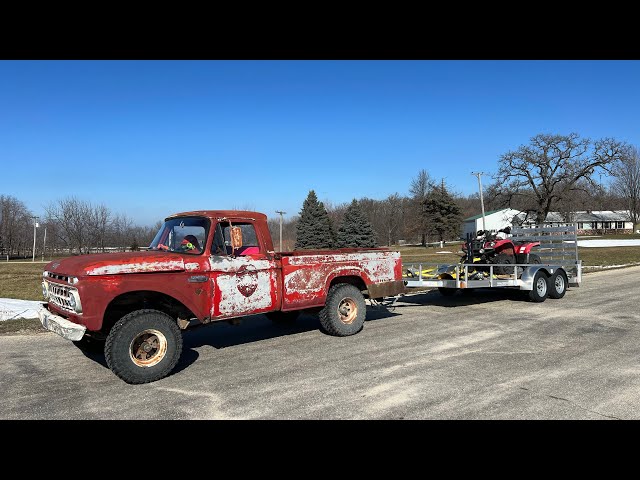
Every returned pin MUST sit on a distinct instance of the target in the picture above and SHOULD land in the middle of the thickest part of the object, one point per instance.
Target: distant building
(590, 222)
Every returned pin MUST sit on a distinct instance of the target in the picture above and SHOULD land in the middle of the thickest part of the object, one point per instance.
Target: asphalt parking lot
(487, 355)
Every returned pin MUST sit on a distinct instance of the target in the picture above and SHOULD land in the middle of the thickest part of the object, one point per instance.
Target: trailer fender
(526, 280)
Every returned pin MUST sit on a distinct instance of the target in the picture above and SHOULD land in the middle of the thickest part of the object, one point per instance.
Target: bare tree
(73, 217)
(627, 183)
(549, 168)
(16, 226)
(419, 188)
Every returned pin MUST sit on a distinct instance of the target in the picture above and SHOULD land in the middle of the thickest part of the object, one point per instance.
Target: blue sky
(151, 138)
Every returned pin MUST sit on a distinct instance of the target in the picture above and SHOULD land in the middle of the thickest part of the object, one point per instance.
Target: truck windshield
(183, 235)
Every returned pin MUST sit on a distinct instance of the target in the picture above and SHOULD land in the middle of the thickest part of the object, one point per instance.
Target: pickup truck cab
(201, 267)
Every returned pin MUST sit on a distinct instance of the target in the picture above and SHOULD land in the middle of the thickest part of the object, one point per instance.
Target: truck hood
(117, 263)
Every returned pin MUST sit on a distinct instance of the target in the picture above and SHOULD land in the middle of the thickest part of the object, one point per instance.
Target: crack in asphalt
(575, 404)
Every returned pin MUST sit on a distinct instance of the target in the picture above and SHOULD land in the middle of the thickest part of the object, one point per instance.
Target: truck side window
(221, 244)
(218, 245)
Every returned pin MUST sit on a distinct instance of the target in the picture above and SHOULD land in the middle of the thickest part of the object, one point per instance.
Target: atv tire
(503, 259)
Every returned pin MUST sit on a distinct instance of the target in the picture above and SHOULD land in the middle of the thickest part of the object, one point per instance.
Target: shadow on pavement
(251, 329)
(464, 297)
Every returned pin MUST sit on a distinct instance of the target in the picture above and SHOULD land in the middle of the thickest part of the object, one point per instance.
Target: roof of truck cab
(222, 214)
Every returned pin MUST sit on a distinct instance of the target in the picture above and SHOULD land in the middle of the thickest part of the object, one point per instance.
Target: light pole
(44, 242)
(35, 225)
(281, 213)
(479, 174)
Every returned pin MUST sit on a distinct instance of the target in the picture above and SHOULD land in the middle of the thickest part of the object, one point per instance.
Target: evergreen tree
(442, 214)
(314, 227)
(355, 230)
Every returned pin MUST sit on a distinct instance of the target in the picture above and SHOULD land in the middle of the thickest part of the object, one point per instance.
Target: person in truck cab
(190, 244)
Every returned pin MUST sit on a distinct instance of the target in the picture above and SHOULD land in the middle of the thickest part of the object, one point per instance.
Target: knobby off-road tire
(143, 346)
(503, 259)
(533, 258)
(283, 318)
(89, 344)
(558, 283)
(344, 311)
(540, 287)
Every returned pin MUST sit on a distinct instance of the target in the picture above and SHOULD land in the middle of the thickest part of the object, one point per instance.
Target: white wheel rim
(541, 286)
(559, 284)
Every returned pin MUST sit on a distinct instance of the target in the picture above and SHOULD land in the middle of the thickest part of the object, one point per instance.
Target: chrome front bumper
(61, 326)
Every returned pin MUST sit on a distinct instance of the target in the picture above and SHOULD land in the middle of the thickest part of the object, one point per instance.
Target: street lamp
(35, 225)
(281, 213)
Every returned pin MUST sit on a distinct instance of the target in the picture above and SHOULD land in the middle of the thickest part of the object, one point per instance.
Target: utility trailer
(560, 268)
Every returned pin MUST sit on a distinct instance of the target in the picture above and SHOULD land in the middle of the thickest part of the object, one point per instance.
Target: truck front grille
(59, 295)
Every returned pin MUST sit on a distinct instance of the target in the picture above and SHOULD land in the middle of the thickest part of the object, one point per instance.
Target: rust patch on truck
(247, 280)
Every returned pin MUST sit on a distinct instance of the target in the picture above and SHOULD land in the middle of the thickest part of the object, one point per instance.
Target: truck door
(243, 275)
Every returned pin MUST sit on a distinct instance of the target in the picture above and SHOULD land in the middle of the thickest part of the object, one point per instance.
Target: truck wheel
(90, 344)
(283, 317)
(344, 311)
(143, 346)
(540, 287)
(558, 284)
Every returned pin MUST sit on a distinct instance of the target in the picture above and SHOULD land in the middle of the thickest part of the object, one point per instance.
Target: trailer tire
(541, 288)
(283, 318)
(558, 284)
(344, 311)
(143, 346)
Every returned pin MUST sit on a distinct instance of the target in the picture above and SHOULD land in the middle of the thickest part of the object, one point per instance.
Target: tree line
(553, 172)
(69, 226)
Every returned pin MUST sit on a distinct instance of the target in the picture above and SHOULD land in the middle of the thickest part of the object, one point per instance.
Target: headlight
(45, 291)
(45, 274)
(72, 301)
(73, 280)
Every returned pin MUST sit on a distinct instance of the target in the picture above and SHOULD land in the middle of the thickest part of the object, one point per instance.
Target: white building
(494, 221)
(589, 222)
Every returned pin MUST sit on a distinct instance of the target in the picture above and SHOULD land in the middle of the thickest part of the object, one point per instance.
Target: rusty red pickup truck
(202, 267)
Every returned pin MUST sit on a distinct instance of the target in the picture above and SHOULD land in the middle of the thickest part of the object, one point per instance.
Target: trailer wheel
(143, 346)
(283, 318)
(344, 311)
(540, 287)
(558, 284)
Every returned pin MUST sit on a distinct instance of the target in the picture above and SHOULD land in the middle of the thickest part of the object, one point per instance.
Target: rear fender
(526, 248)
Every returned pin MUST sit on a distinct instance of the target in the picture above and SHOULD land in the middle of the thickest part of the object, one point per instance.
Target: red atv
(491, 248)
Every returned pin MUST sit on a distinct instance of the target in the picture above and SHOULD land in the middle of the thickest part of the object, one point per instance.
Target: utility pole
(35, 225)
(281, 213)
(479, 174)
